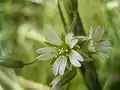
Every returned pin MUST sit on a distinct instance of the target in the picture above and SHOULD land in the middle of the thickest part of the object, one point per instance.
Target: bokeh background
(22, 23)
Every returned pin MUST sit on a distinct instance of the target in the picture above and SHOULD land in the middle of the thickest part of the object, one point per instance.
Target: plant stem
(62, 17)
(78, 29)
(88, 69)
(89, 73)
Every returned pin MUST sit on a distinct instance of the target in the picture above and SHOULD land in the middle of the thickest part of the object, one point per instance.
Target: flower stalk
(68, 52)
(88, 69)
(72, 13)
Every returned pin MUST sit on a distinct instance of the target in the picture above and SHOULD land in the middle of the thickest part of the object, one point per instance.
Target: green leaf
(11, 62)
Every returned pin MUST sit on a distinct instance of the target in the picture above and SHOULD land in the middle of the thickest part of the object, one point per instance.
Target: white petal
(98, 34)
(63, 64)
(104, 43)
(91, 33)
(77, 56)
(74, 61)
(103, 54)
(68, 38)
(52, 37)
(56, 66)
(46, 56)
(45, 50)
(73, 43)
(103, 48)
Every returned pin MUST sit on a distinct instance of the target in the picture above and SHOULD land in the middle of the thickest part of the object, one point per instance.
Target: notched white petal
(104, 43)
(63, 64)
(45, 50)
(74, 61)
(77, 56)
(68, 38)
(56, 66)
(97, 36)
(103, 54)
(52, 37)
(73, 43)
(45, 56)
(104, 46)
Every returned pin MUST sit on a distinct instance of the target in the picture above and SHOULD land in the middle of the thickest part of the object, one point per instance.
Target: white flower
(96, 44)
(62, 51)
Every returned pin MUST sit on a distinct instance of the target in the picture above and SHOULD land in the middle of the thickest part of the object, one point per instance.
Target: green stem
(62, 17)
(73, 23)
(78, 29)
(88, 69)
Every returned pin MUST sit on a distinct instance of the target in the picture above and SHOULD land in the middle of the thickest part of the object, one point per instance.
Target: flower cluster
(96, 44)
(63, 51)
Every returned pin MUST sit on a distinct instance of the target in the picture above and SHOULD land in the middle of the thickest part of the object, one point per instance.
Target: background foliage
(22, 23)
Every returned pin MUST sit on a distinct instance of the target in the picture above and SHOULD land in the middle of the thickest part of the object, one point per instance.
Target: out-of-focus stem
(10, 83)
(62, 17)
(32, 85)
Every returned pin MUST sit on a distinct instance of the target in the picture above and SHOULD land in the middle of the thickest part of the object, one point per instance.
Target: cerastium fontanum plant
(68, 52)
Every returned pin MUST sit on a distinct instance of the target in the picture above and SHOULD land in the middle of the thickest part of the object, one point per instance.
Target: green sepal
(50, 44)
(67, 77)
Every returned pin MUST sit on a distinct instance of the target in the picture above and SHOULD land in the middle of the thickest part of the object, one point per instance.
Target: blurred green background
(22, 23)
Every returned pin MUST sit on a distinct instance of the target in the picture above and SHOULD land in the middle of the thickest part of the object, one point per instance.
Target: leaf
(11, 62)
(112, 83)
